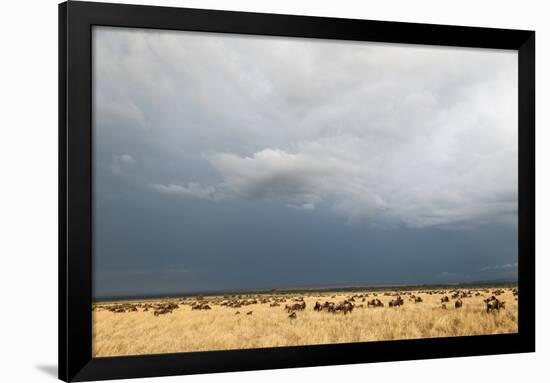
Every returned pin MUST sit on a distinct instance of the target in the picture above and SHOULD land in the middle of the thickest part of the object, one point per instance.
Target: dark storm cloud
(293, 161)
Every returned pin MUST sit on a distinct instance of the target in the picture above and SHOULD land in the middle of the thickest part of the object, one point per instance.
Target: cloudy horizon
(243, 162)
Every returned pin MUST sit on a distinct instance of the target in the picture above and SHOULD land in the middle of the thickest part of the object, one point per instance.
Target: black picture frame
(75, 184)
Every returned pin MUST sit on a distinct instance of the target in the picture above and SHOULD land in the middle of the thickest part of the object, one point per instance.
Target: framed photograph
(244, 191)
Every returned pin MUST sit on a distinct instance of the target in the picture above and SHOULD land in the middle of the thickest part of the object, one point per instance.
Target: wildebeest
(162, 311)
(200, 306)
(292, 315)
(458, 303)
(445, 299)
(237, 312)
(122, 308)
(249, 313)
(495, 304)
(417, 300)
(295, 307)
(329, 306)
(396, 302)
(164, 308)
(375, 303)
(344, 307)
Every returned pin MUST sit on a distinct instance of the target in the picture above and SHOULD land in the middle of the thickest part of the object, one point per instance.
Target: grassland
(185, 329)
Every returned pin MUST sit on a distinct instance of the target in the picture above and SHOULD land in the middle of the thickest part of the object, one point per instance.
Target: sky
(233, 162)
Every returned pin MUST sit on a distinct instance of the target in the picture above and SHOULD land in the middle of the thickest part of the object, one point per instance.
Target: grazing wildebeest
(237, 312)
(292, 315)
(200, 306)
(318, 306)
(295, 307)
(348, 307)
(495, 305)
(274, 304)
(458, 303)
(162, 311)
(344, 306)
(396, 302)
(375, 303)
(249, 313)
(445, 299)
(417, 300)
(329, 306)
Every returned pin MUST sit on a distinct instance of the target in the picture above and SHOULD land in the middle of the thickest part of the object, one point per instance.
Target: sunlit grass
(187, 330)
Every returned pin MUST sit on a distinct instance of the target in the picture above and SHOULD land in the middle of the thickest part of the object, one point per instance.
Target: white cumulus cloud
(191, 189)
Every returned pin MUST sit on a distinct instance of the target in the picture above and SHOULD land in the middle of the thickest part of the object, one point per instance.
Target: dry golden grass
(186, 330)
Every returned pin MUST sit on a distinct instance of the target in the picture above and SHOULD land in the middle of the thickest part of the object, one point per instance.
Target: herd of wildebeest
(293, 304)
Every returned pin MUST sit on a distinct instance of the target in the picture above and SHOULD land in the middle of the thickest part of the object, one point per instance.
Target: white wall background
(28, 187)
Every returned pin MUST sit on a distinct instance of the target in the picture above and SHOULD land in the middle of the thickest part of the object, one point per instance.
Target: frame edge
(526, 190)
(75, 362)
(62, 192)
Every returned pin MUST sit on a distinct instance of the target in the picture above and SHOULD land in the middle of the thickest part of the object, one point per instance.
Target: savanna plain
(276, 319)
